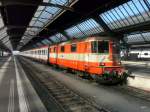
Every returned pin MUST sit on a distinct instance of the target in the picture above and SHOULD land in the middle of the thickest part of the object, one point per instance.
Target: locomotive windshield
(100, 46)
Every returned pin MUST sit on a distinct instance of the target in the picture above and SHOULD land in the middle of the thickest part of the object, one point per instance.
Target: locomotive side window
(62, 48)
(73, 47)
(100, 46)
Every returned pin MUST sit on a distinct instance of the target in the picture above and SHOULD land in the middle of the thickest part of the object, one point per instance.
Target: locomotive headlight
(102, 64)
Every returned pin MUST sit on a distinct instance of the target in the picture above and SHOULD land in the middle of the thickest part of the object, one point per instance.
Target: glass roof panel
(85, 28)
(55, 39)
(4, 34)
(135, 39)
(5, 39)
(146, 36)
(60, 2)
(61, 37)
(51, 10)
(132, 12)
(90, 27)
(74, 32)
(138, 37)
(46, 14)
(39, 23)
(46, 41)
(1, 22)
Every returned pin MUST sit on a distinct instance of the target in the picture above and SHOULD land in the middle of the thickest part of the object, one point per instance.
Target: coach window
(54, 49)
(145, 53)
(43, 52)
(73, 48)
(62, 48)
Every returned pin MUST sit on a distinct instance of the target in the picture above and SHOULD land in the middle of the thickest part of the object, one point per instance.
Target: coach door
(86, 56)
(48, 54)
(55, 54)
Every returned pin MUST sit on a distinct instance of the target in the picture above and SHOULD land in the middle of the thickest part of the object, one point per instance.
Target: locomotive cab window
(73, 47)
(100, 46)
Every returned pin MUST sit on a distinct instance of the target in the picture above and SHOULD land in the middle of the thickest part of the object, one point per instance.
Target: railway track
(65, 98)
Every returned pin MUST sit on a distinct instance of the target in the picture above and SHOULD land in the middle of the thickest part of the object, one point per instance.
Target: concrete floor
(107, 97)
(16, 91)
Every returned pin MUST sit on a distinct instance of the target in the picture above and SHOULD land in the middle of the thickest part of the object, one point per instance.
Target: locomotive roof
(87, 39)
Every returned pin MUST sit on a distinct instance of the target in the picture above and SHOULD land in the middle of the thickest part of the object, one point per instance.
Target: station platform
(137, 63)
(141, 71)
(17, 93)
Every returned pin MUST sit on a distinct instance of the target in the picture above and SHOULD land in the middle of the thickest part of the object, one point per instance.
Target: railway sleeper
(57, 89)
(73, 99)
(85, 108)
(64, 95)
(75, 103)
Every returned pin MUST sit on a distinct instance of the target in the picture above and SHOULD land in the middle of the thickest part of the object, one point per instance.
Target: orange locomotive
(97, 57)
(94, 56)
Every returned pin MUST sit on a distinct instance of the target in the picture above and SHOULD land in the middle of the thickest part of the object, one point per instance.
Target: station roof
(25, 24)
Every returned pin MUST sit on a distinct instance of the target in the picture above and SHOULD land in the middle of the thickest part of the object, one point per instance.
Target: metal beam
(141, 27)
(20, 27)
(99, 20)
(10, 3)
(139, 43)
(65, 34)
(106, 29)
